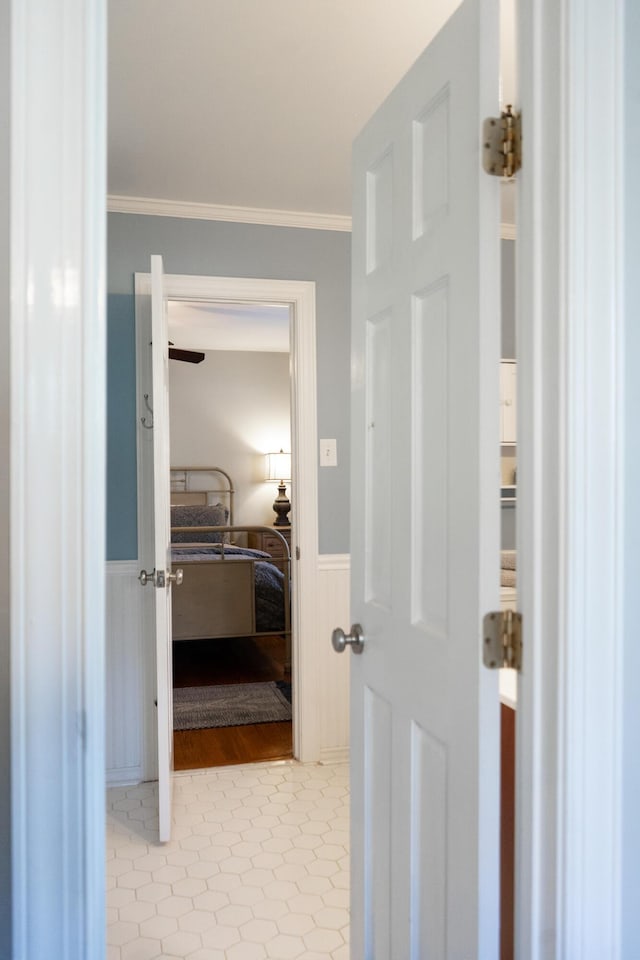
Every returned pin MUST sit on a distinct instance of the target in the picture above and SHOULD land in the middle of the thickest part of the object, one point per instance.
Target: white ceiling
(253, 103)
(197, 325)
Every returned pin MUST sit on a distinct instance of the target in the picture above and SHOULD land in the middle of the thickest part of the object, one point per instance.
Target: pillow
(198, 515)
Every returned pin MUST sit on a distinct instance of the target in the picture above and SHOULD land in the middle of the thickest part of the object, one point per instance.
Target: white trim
(570, 459)
(304, 442)
(255, 215)
(537, 256)
(590, 684)
(300, 297)
(57, 464)
(215, 211)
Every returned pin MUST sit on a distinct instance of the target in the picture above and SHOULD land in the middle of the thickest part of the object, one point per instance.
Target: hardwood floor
(252, 743)
(239, 660)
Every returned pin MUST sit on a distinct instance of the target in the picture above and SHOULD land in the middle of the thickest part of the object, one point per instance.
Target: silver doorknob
(159, 578)
(355, 639)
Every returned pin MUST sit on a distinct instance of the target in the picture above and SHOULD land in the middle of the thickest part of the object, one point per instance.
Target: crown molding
(274, 218)
(212, 211)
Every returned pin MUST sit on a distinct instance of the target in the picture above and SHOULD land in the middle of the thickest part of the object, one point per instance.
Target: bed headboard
(202, 485)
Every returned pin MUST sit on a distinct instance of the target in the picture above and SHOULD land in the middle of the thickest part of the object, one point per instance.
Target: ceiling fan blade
(189, 356)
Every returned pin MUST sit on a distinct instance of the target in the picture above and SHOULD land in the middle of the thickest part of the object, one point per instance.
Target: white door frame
(573, 190)
(571, 509)
(56, 460)
(299, 296)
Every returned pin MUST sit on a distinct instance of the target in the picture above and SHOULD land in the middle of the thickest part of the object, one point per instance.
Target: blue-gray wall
(245, 250)
(211, 248)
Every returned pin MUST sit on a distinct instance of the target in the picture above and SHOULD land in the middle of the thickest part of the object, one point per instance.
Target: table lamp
(277, 467)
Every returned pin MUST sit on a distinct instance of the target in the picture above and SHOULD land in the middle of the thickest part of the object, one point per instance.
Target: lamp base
(282, 506)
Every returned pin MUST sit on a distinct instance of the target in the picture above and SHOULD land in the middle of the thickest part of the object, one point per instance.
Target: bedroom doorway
(298, 299)
(230, 405)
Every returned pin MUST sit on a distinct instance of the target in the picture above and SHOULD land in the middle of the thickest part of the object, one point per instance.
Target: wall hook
(143, 420)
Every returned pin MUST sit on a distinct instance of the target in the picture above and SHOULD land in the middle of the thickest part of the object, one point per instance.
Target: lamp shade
(277, 466)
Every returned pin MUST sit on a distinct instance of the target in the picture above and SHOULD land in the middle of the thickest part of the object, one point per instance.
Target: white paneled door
(425, 543)
(162, 543)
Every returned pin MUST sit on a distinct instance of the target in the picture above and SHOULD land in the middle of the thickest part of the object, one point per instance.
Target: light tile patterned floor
(258, 866)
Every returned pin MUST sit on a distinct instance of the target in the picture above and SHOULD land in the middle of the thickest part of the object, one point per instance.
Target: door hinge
(502, 640)
(502, 144)
(297, 553)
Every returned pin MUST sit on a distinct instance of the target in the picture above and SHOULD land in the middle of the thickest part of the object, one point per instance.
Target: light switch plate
(328, 453)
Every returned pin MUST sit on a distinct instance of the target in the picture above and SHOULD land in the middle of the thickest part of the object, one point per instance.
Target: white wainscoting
(130, 745)
(334, 605)
(125, 675)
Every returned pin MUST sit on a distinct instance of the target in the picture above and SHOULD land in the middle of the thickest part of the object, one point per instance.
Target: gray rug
(228, 705)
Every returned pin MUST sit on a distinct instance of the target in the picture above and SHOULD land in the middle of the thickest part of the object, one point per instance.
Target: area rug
(229, 705)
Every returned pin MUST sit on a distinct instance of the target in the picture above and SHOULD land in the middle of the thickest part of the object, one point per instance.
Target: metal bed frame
(217, 597)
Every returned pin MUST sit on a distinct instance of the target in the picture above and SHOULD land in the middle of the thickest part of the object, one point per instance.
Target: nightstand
(270, 542)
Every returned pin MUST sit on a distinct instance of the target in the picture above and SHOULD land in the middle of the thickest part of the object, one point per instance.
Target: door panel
(162, 542)
(425, 509)
(378, 461)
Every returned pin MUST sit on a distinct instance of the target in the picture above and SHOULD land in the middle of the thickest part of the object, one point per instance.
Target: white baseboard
(124, 669)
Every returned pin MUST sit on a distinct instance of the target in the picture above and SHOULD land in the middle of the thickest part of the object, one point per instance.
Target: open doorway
(508, 587)
(298, 299)
(230, 410)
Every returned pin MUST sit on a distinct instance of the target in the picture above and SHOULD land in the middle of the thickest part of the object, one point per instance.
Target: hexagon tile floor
(258, 866)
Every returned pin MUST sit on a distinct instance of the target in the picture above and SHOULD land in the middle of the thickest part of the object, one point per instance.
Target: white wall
(226, 412)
